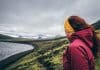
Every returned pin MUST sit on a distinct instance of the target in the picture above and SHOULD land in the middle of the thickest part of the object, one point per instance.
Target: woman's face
(69, 35)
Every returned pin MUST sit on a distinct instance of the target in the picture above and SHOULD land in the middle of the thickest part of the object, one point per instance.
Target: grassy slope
(46, 56)
(98, 60)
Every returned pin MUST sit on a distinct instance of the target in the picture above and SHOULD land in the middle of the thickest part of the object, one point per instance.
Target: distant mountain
(96, 25)
(4, 36)
(40, 36)
(9, 37)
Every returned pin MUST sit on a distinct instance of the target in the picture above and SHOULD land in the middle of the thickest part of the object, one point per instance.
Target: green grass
(98, 59)
(98, 64)
(47, 56)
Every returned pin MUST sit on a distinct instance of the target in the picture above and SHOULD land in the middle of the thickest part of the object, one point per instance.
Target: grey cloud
(44, 15)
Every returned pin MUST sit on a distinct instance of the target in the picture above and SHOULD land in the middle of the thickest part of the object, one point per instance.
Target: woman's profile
(83, 47)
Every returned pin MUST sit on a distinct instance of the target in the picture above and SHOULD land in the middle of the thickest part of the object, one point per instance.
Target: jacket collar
(85, 35)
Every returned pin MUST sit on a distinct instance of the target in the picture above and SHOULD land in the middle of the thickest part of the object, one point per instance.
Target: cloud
(44, 16)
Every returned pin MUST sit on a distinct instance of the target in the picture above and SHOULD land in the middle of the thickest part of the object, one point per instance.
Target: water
(8, 49)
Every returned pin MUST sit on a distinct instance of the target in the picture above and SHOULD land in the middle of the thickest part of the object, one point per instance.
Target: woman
(83, 45)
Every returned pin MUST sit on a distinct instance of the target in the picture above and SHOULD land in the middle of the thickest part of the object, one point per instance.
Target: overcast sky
(44, 16)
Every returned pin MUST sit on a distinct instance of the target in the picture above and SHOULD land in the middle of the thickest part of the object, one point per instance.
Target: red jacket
(78, 55)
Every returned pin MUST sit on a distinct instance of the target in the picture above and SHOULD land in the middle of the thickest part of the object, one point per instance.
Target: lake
(8, 49)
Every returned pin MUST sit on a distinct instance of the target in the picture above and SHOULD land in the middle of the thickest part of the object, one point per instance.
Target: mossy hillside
(48, 56)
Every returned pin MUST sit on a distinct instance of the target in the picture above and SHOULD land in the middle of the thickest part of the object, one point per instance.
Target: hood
(85, 35)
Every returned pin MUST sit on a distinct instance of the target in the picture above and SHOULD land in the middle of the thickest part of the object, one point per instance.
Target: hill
(4, 36)
(96, 25)
(46, 56)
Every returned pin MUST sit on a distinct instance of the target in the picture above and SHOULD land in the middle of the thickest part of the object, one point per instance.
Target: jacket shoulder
(77, 43)
(78, 46)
